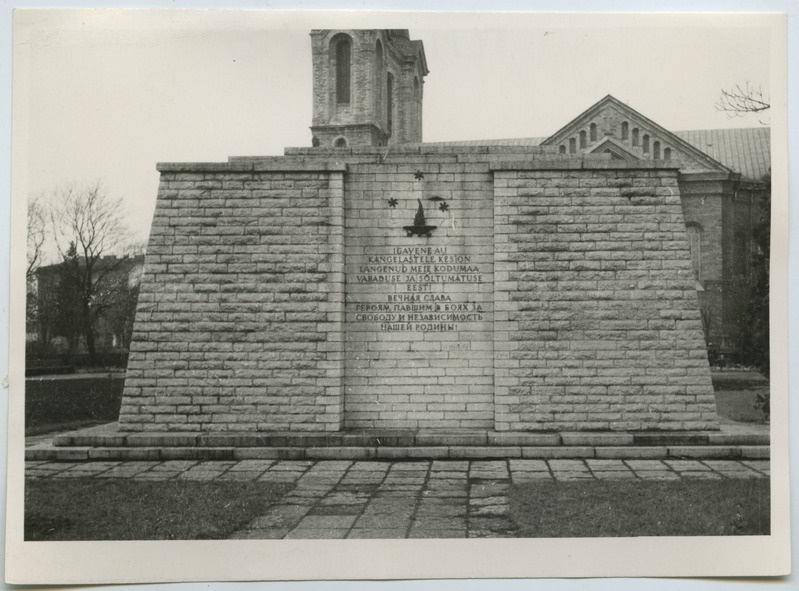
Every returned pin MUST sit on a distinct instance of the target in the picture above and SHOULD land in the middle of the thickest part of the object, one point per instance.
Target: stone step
(50, 452)
(108, 436)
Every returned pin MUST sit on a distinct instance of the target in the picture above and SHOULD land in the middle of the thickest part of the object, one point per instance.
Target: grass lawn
(600, 508)
(99, 509)
(739, 394)
(53, 403)
(741, 405)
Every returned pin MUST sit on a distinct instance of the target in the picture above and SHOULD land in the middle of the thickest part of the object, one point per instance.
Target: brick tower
(367, 87)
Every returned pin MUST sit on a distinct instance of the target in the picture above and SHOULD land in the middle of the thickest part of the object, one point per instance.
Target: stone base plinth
(108, 443)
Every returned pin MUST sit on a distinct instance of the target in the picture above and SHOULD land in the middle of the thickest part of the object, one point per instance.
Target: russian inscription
(417, 294)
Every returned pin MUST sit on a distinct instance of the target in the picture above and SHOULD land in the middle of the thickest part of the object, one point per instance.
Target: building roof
(609, 113)
(519, 141)
(745, 150)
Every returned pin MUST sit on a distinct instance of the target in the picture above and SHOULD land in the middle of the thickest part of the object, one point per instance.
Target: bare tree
(37, 233)
(90, 231)
(742, 100)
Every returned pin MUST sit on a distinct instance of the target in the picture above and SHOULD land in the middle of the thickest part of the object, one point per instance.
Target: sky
(105, 95)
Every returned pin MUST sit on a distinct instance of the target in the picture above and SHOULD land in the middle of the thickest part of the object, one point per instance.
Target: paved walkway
(406, 499)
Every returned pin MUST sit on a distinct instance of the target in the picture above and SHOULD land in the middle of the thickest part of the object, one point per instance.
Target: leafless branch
(742, 100)
(91, 219)
(37, 234)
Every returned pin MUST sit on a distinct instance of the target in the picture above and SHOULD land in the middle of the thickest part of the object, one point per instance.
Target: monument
(374, 283)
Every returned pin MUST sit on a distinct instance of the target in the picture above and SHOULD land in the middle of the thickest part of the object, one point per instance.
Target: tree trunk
(88, 332)
(89, 335)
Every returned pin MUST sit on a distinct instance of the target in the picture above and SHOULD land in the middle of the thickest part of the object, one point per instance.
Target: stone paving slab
(327, 522)
(647, 464)
(519, 477)
(335, 499)
(614, 475)
(600, 465)
(657, 475)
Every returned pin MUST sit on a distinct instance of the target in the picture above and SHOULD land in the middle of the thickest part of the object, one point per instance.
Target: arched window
(378, 81)
(656, 150)
(635, 136)
(572, 145)
(592, 130)
(582, 139)
(695, 246)
(562, 149)
(666, 153)
(315, 142)
(625, 130)
(343, 51)
(646, 144)
(340, 142)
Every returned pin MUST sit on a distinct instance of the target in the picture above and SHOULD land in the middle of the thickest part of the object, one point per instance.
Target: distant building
(116, 290)
(723, 188)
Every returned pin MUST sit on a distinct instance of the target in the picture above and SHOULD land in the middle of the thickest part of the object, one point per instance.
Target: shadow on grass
(61, 401)
(98, 509)
(742, 406)
(604, 508)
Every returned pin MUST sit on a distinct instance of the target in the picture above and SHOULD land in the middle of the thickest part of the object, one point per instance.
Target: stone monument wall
(597, 323)
(419, 335)
(238, 325)
(419, 287)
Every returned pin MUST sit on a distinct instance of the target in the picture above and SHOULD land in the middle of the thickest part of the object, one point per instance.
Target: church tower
(367, 87)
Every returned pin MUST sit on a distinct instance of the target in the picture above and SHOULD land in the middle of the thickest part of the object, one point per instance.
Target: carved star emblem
(443, 206)
(418, 175)
(392, 202)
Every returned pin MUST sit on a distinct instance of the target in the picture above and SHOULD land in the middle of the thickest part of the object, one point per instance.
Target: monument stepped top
(334, 159)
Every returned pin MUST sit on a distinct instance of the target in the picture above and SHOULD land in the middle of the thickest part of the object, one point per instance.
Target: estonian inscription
(419, 298)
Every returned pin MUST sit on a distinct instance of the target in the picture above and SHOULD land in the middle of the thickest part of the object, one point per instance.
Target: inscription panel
(420, 276)
(419, 307)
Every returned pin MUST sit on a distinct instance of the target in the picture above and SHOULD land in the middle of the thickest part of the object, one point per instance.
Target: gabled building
(724, 189)
(724, 192)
